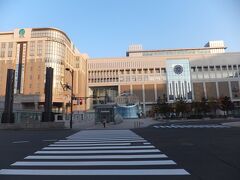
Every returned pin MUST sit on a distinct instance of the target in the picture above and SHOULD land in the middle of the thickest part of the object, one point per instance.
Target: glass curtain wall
(55, 53)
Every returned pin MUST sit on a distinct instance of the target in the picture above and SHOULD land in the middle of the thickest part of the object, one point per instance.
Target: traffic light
(80, 101)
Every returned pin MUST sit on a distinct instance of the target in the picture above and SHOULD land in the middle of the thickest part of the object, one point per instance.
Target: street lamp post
(72, 74)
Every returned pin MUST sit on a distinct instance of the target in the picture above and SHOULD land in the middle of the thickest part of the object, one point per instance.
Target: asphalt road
(206, 153)
(16, 145)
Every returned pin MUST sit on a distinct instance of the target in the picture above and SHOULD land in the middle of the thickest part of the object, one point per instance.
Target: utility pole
(72, 75)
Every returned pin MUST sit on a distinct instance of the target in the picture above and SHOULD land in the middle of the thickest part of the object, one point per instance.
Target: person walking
(104, 122)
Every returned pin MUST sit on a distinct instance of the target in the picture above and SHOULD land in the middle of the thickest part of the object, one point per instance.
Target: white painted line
(16, 142)
(99, 147)
(95, 142)
(95, 172)
(146, 143)
(87, 145)
(195, 126)
(100, 151)
(103, 139)
(100, 157)
(94, 163)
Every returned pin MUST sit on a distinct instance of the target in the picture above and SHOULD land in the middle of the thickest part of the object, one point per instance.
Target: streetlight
(72, 74)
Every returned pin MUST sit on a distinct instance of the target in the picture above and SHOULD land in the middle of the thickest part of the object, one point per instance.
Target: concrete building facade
(188, 73)
(29, 51)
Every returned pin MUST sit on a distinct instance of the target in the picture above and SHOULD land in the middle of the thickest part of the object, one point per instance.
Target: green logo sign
(21, 32)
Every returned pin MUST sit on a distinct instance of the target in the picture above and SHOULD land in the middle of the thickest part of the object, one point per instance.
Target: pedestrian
(104, 123)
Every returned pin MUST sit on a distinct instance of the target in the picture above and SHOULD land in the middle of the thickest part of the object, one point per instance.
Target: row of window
(4, 45)
(97, 80)
(4, 51)
(215, 68)
(127, 78)
(161, 70)
(32, 48)
(53, 34)
(127, 71)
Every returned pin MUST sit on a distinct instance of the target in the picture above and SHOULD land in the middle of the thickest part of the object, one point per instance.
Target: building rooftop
(209, 48)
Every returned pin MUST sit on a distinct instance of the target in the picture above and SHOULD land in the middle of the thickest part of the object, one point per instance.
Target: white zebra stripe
(119, 172)
(100, 151)
(100, 156)
(94, 163)
(99, 147)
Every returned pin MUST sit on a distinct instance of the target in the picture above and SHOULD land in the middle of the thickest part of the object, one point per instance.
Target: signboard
(21, 33)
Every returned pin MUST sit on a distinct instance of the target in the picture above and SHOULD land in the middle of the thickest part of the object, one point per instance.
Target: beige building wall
(223, 89)
(211, 90)
(41, 48)
(149, 93)
(198, 91)
(146, 75)
(161, 90)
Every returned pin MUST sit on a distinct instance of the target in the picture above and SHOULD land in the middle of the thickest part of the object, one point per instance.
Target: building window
(32, 48)
(10, 45)
(211, 68)
(3, 45)
(2, 54)
(193, 69)
(39, 48)
(218, 68)
(199, 68)
(205, 68)
(224, 68)
(163, 70)
(9, 53)
(157, 70)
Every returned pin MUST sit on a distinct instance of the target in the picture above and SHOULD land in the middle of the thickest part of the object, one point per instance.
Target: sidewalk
(232, 124)
(141, 123)
(127, 124)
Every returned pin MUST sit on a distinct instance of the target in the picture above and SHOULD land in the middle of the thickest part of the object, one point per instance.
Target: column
(217, 89)
(204, 90)
(155, 91)
(144, 106)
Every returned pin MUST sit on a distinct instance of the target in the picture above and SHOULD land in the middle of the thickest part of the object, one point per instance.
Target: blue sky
(105, 28)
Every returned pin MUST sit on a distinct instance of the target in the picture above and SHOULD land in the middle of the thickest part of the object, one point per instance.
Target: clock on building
(178, 69)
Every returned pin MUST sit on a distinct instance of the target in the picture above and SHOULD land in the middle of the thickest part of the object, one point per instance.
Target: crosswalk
(97, 152)
(192, 126)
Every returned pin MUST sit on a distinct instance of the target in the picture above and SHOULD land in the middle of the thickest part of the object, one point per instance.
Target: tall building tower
(29, 51)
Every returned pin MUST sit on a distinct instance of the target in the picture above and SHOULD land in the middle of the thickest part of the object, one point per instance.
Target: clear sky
(105, 28)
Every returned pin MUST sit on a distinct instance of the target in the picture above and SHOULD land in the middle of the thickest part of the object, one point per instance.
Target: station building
(188, 73)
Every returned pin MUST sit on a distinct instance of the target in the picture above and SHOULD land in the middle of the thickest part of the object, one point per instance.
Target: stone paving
(127, 124)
